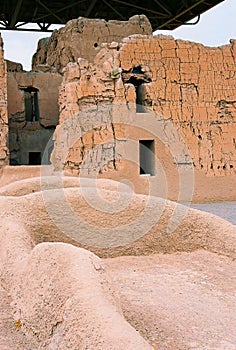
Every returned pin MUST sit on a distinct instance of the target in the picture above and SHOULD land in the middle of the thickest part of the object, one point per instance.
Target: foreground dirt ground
(175, 301)
(165, 290)
(179, 301)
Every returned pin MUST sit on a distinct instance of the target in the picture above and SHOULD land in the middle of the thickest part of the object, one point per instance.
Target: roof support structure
(163, 14)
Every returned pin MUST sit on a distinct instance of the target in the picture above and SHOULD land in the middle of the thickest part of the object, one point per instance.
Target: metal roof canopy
(163, 14)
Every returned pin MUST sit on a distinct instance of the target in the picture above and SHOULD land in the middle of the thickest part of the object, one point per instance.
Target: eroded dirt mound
(61, 297)
(113, 223)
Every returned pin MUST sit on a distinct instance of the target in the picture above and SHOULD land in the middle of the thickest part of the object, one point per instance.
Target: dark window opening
(31, 104)
(34, 158)
(138, 83)
(140, 108)
(147, 157)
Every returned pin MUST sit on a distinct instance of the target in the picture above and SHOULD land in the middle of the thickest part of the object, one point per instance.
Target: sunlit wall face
(18, 49)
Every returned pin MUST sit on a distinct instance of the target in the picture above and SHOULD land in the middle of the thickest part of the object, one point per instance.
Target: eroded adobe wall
(3, 109)
(189, 88)
(194, 86)
(24, 135)
(85, 140)
(82, 37)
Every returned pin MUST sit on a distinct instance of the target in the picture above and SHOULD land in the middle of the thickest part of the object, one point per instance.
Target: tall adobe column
(3, 109)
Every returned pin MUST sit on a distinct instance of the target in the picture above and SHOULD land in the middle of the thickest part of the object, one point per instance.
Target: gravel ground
(226, 210)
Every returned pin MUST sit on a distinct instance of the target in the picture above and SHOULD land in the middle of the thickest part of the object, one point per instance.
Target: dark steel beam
(139, 7)
(44, 26)
(90, 8)
(181, 14)
(113, 9)
(60, 10)
(15, 14)
(49, 11)
(163, 7)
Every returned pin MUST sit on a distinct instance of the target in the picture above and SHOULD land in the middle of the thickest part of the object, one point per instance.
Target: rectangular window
(147, 157)
(34, 158)
(31, 104)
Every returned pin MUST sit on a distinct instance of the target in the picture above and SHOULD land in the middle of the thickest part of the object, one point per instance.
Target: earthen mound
(37, 184)
(61, 296)
(113, 223)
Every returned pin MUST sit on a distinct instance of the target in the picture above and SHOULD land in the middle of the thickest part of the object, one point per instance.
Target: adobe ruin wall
(27, 138)
(37, 90)
(3, 109)
(191, 85)
(189, 90)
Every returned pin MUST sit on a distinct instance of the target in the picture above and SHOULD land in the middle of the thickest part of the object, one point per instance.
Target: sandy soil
(11, 337)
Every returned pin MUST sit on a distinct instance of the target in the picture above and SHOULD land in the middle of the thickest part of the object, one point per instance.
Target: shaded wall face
(189, 90)
(3, 110)
(33, 115)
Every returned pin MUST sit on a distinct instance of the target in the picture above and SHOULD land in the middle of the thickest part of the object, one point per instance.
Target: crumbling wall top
(83, 37)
